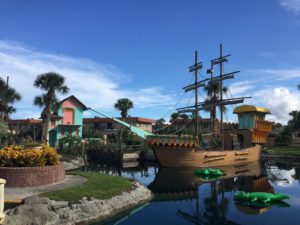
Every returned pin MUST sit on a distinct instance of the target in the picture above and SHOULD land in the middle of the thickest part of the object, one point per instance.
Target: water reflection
(180, 197)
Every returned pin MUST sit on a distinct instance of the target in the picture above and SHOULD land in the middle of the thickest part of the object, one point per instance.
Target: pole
(196, 94)
(221, 96)
(212, 110)
(7, 80)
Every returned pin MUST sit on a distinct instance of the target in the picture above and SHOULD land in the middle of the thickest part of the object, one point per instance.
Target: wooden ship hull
(193, 157)
(186, 151)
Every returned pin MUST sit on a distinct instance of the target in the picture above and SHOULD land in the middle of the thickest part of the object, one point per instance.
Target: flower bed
(30, 167)
(16, 156)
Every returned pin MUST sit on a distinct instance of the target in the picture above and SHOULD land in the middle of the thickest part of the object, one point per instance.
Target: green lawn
(100, 186)
(285, 150)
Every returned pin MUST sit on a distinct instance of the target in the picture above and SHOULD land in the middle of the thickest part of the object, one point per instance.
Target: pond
(182, 198)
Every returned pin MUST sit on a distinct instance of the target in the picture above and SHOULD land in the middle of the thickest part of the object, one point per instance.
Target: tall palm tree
(212, 90)
(8, 96)
(41, 101)
(123, 105)
(51, 83)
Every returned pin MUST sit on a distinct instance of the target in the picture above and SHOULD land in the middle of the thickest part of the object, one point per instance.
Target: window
(109, 126)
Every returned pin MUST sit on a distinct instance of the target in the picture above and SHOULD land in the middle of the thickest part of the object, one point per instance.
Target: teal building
(67, 120)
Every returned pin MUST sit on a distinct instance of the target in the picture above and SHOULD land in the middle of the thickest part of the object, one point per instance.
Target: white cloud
(241, 88)
(278, 74)
(281, 101)
(97, 85)
(291, 5)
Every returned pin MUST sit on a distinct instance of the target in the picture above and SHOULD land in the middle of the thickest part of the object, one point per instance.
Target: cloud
(291, 6)
(281, 101)
(278, 74)
(241, 88)
(97, 85)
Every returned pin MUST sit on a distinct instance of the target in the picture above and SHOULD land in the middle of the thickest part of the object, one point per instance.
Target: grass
(285, 150)
(99, 186)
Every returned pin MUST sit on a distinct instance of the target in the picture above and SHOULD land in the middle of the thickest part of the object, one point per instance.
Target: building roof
(24, 121)
(187, 120)
(251, 108)
(76, 99)
(128, 119)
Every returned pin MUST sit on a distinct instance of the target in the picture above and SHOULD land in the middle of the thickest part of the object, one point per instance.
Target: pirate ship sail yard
(202, 150)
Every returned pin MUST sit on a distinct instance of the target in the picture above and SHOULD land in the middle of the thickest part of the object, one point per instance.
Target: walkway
(18, 194)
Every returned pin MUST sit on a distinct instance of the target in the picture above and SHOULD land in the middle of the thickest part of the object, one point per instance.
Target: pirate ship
(219, 147)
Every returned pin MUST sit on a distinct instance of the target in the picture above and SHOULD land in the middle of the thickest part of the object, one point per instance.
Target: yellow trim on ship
(251, 108)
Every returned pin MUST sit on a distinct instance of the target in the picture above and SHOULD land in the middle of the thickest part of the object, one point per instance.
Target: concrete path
(17, 194)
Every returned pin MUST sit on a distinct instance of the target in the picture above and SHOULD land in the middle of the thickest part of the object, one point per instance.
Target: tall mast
(212, 110)
(196, 95)
(194, 86)
(221, 96)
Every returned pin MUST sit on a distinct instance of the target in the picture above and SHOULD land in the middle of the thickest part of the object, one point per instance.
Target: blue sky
(141, 50)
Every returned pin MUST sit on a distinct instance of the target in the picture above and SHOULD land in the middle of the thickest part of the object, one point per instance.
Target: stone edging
(36, 211)
(32, 176)
(74, 163)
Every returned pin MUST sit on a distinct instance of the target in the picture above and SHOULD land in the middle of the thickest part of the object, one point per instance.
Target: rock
(36, 199)
(74, 163)
(32, 214)
(59, 204)
(36, 211)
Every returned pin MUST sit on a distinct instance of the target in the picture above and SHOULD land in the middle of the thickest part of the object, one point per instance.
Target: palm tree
(174, 116)
(184, 116)
(51, 83)
(41, 101)
(8, 96)
(123, 105)
(212, 90)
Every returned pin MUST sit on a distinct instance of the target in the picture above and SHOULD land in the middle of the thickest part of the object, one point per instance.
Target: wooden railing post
(2, 216)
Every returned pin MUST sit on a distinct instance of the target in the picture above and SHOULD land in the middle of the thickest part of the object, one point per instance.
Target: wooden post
(2, 215)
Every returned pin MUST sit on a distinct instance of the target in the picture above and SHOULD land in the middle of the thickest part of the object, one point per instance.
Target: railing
(2, 215)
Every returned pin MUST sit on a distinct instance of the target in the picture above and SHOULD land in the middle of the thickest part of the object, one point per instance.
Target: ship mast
(221, 102)
(194, 68)
(221, 97)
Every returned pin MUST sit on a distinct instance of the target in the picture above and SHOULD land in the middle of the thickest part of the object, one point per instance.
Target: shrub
(15, 156)
(32, 144)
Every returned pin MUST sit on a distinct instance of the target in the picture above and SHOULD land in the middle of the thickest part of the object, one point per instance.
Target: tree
(123, 105)
(159, 125)
(51, 83)
(212, 90)
(174, 116)
(184, 116)
(3, 131)
(8, 96)
(160, 122)
(294, 123)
